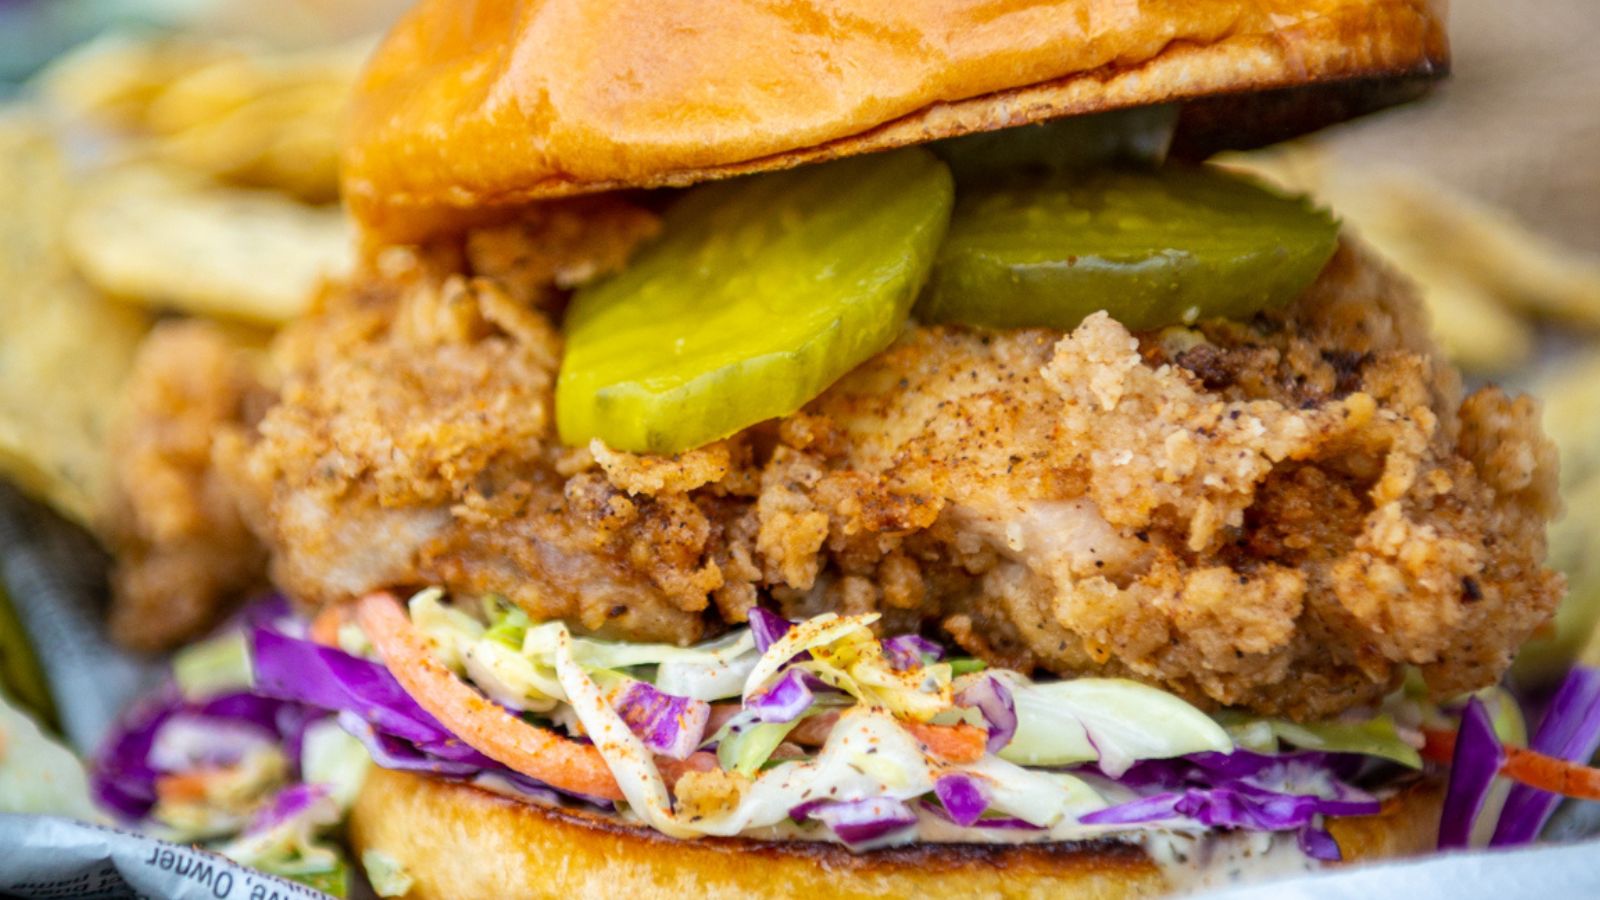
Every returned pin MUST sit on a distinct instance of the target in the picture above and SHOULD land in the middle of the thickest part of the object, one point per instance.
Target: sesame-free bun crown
(474, 106)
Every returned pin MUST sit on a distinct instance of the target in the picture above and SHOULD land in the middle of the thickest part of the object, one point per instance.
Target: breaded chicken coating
(181, 547)
(1280, 514)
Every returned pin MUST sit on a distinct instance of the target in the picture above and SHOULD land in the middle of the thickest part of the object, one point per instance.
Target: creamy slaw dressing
(869, 753)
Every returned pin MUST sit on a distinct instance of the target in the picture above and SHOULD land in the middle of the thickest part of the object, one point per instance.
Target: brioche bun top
(471, 107)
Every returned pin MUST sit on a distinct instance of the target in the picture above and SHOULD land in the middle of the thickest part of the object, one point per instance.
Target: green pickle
(1152, 248)
(21, 679)
(759, 293)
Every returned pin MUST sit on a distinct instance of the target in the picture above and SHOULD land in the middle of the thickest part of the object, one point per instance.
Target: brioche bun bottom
(458, 841)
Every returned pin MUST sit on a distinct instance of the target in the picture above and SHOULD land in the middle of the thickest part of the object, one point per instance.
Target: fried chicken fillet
(1278, 514)
(181, 547)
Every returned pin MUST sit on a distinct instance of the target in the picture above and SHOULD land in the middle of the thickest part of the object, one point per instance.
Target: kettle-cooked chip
(1482, 274)
(237, 112)
(154, 236)
(64, 349)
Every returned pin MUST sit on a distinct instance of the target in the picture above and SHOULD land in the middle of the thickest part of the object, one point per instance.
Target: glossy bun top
(472, 107)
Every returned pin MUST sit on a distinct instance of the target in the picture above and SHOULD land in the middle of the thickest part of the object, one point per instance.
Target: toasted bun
(458, 841)
(470, 107)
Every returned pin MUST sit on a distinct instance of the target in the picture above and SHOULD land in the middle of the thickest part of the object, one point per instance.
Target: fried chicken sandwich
(859, 448)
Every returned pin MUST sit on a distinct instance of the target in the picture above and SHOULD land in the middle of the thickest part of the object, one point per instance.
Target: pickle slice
(1151, 248)
(758, 295)
(21, 679)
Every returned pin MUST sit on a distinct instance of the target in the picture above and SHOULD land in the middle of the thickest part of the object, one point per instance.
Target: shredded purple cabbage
(120, 776)
(286, 804)
(122, 773)
(292, 721)
(1300, 772)
(1209, 767)
(767, 627)
(802, 812)
(1570, 730)
(1154, 808)
(859, 822)
(962, 797)
(269, 611)
(399, 733)
(263, 712)
(1318, 844)
(908, 651)
(187, 741)
(1238, 806)
(1243, 789)
(288, 668)
(992, 698)
(1478, 758)
(1003, 823)
(787, 699)
(298, 682)
(396, 753)
(670, 725)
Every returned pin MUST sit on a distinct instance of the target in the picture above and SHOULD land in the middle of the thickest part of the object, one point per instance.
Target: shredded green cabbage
(215, 666)
(1112, 721)
(449, 631)
(870, 752)
(332, 756)
(294, 848)
(387, 875)
(746, 747)
(1376, 736)
(37, 774)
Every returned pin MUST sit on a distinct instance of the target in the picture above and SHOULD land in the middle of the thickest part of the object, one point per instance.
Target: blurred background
(35, 32)
(179, 157)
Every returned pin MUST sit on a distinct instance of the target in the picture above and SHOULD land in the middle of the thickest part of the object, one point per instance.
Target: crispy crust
(457, 841)
(463, 113)
(1277, 514)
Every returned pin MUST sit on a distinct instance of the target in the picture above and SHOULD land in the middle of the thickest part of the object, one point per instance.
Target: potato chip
(1525, 270)
(1570, 393)
(154, 236)
(1571, 397)
(1472, 325)
(114, 79)
(286, 139)
(64, 349)
(235, 112)
(1457, 253)
(1575, 552)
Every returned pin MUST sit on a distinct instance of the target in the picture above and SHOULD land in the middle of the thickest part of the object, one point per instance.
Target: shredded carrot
(957, 743)
(326, 624)
(1439, 744)
(1536, 770)
(543, 754)
(183, 787)
(1551, 774)
(486, 727)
